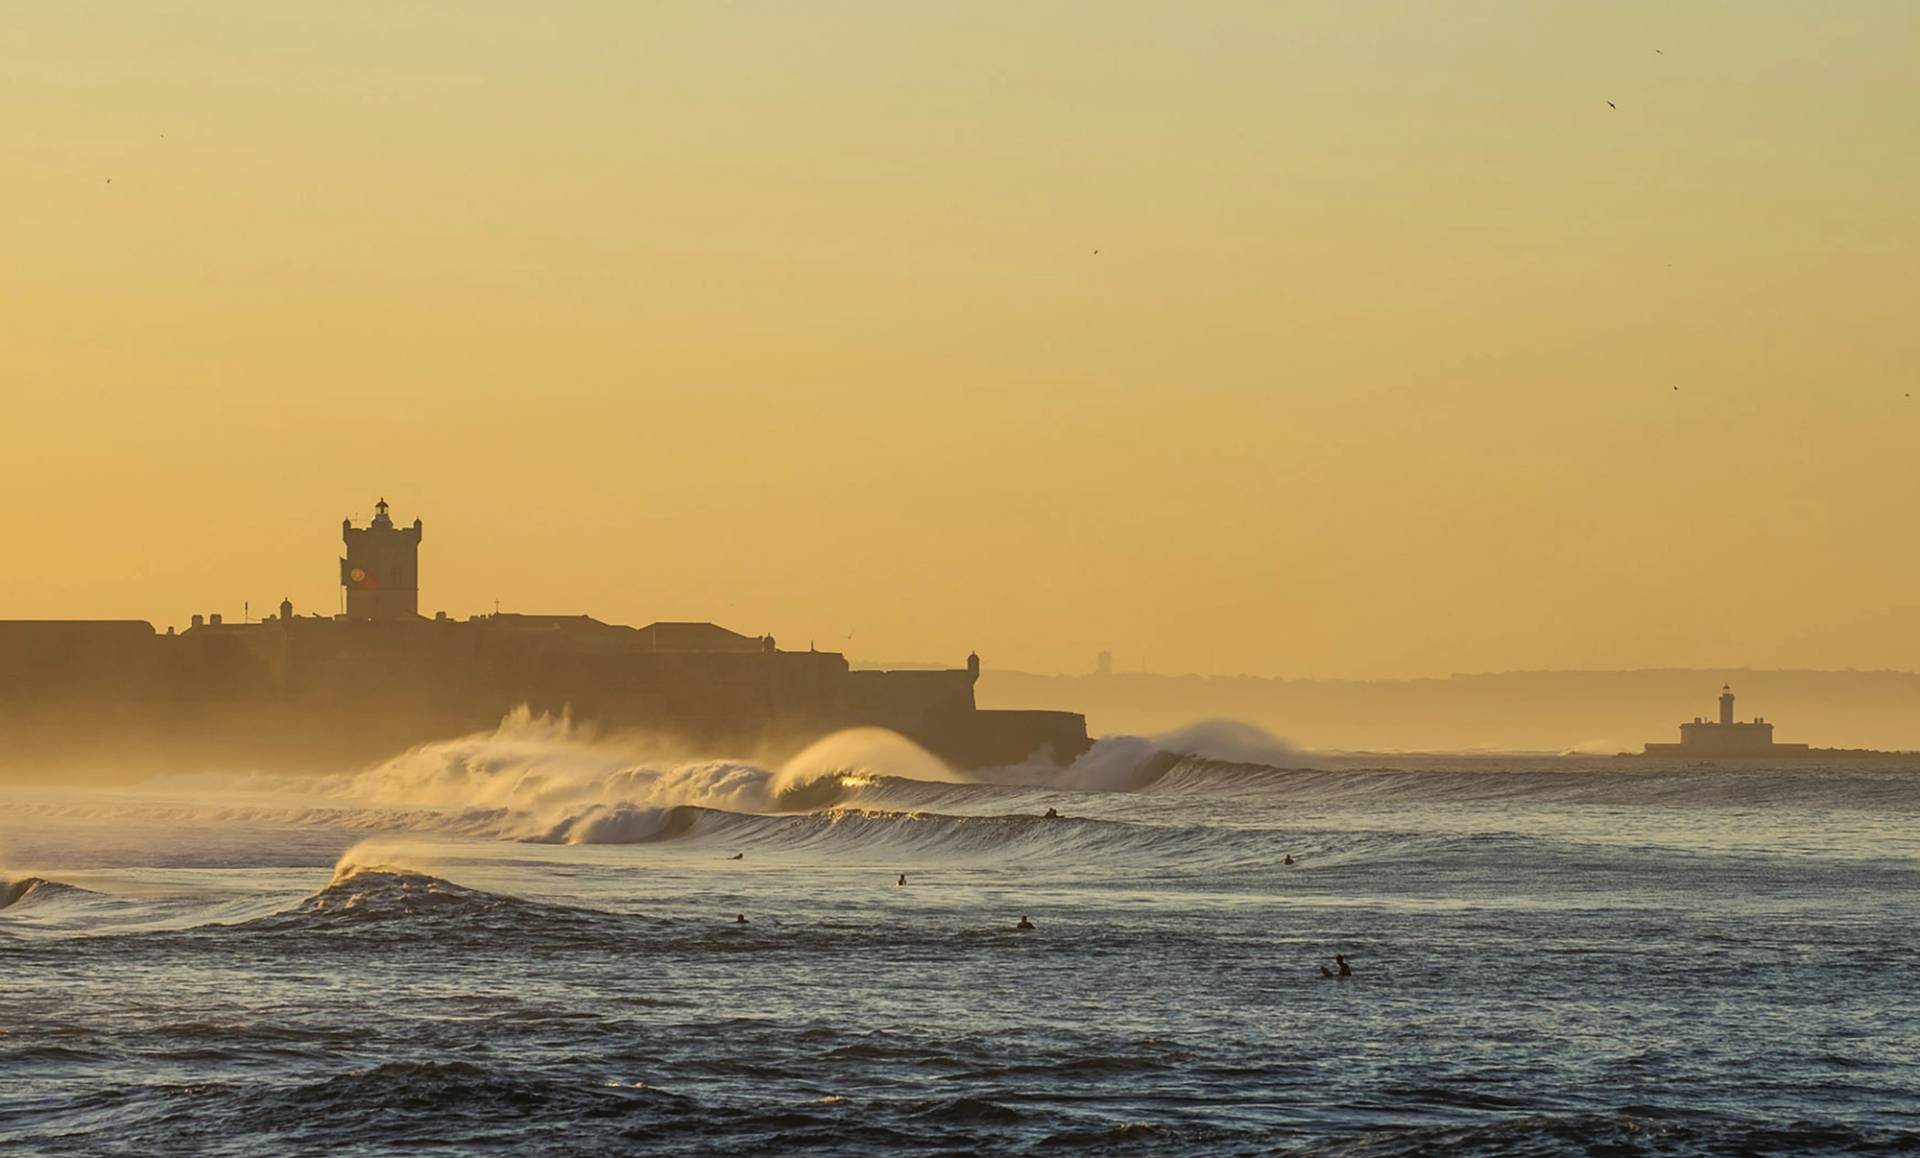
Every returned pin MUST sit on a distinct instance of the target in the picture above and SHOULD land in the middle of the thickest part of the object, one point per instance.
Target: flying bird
(1611, 105)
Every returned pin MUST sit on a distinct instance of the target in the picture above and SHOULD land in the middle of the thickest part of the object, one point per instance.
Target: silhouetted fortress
(1704, 739)
(315, 690)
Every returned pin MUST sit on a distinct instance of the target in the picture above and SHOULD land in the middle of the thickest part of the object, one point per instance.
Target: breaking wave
(363, 897)
(380, 892)
(1138, 763)
(38, 905)
(1651, 929)
(539, 764)
(541, 779)
(534, 763)
(35, 890)
(891, 834)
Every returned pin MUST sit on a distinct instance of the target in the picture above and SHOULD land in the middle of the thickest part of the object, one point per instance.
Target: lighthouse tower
(382, 569)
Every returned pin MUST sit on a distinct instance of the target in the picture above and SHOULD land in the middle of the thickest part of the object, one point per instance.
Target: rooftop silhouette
(1702, 739)
(379, 675)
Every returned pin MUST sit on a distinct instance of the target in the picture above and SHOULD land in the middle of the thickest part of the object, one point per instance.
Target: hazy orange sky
(1336, 338)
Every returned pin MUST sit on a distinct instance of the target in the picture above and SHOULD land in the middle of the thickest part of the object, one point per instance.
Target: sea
(539, 940)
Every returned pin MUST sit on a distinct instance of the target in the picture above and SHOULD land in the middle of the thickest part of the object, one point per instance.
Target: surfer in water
(1024, 924)
(740, 919)
(1346, 970)
(738, 856)
(902, 882)
(1052, 814)
(1288, 860)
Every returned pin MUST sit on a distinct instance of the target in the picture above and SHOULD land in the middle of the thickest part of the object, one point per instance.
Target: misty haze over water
(715, 349)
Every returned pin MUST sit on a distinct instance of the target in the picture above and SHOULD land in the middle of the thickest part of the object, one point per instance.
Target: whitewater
(536, 939)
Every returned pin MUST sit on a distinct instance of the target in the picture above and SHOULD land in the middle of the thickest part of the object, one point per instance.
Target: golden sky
(1332, 338)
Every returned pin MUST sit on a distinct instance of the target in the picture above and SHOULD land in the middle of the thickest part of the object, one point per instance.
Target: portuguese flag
(358, 578)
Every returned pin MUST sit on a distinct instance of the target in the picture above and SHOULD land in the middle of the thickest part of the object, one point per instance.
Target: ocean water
(528, 942)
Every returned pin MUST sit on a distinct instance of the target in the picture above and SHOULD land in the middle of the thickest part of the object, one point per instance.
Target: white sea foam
(1132, 763)
(544, 778)
(540, 777)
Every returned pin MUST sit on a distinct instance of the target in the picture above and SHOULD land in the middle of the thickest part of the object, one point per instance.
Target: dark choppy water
(1551, 957)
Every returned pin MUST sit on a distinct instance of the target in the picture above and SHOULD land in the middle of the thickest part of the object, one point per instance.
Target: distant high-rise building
(382, 569)
(1104, 666)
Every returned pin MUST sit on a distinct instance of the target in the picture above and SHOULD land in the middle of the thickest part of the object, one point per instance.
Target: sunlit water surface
(1550, 956)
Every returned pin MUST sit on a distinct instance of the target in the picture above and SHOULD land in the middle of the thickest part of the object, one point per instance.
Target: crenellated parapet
(381, 571)
(327, 689)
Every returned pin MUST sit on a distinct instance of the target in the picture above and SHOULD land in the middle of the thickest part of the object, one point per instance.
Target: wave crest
(366, 896)
(27, 889)
(541, 777)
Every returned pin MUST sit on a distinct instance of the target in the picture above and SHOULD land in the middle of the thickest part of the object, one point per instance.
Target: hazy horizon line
(988, 668)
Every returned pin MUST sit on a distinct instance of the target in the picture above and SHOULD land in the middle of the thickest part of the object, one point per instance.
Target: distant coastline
(1597, 713)
(1787, 756)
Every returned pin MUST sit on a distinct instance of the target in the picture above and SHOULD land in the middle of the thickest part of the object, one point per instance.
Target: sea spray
(544, 779)
(386, 854)
(857, 753)
(1135, 763)
(1229, 742)
(1663, 929)
(541, 764)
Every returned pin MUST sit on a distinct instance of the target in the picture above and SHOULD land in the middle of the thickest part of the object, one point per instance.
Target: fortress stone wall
(322, 690)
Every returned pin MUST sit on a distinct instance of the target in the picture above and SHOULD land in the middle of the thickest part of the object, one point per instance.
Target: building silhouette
(1726, 736)
(321, 689)
(381, 572)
